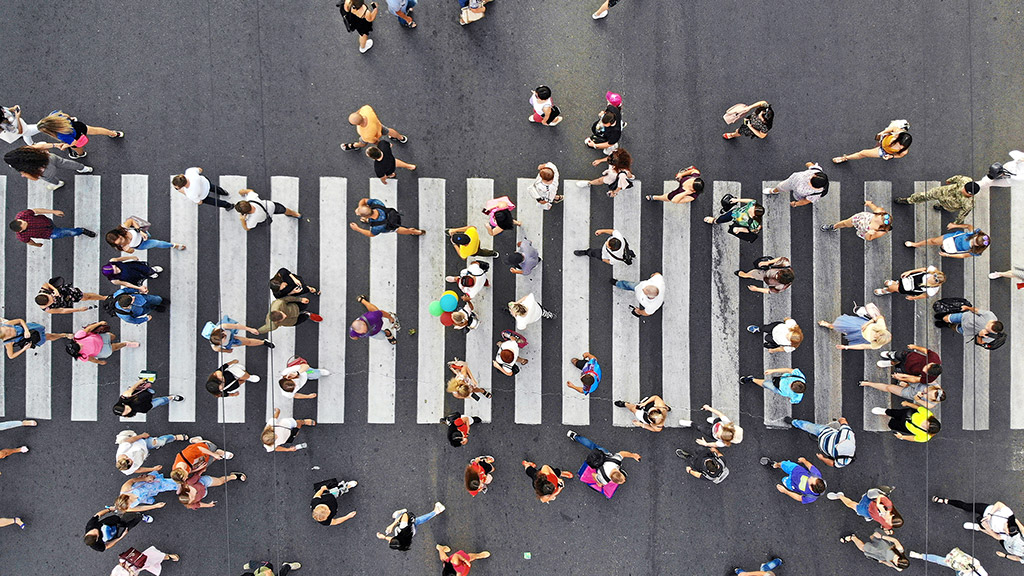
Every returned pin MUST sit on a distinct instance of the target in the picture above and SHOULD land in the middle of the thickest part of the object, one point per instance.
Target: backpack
(950, 305)
(595, 459)
(392, 219)
(996, 342)
(341, 8)
(110, 307)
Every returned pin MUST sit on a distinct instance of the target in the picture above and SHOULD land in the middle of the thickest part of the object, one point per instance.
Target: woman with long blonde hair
(72, 133)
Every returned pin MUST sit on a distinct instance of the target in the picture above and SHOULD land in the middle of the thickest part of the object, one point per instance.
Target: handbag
(132, 557)
(735, 112)
(295, 361)
(141, 223)
(341, 8)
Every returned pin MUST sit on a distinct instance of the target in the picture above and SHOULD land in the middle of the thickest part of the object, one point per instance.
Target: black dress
(359, 25)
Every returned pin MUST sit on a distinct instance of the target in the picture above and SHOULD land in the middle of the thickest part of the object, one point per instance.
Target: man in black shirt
(103, 531)
(325, 502)
(706, 463)
(384, 161)
(606, 130)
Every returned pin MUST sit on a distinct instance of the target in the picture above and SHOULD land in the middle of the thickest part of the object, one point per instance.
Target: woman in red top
(547, 481)
(193, 460)
(458, 427)
(193, 490)
(478, 474)
(458, 564)
(874, 505)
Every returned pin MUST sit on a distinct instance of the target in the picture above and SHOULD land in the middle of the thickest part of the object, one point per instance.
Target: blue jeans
(151, 243)
(421, 519)
(940, 560)
(956, 319)
(161, 400)
(159, 441)
(66, 232)
(787, 467)
(626, 285)
(809, 427)
(10, 425)
(589, 444)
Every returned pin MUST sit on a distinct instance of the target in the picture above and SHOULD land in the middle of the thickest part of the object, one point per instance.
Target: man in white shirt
(197, 188)
(615, 249)
(132, 450)
(650, 294)
(253, 210)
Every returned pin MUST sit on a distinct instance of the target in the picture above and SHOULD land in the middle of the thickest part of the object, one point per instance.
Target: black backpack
(997, 341)
(595, 459)
(945, 306)
(392, 219)
(110, 306)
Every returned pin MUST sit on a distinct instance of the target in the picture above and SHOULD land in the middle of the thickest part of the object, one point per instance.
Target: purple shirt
(374, 322)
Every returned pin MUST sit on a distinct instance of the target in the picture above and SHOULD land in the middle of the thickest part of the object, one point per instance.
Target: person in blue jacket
(134, 307)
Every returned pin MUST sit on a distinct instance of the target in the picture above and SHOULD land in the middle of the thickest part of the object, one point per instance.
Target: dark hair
(712, 466)
(614, 244)
(607, 117)
(90, 539)
(621, 159)
(904, 139)
(276, 316)
(897, 519)
(902, 562)
(243, 206)
(374, 153)
(448, 569)
(587, 379)
(125, 300)
(546, 173)
(934, 369)
(179, 181)
(503, 218)
(217, 336)
(506, 353)
(798, 387)
(460, 239)
(16, 225)
(978, 249)
(119, 408)
(820, 180)
(472, 478)
(543, 487)
(768, 115)
(514, 259)
(786, 276)
(286, 384)
(817, 485)
(42, 299)
(114, 235)
(885, 227)
(758, 211)
(543, 92)
(213, 386)
(933, 425)
(698, 185)
(28, 160)
(972, 188)
(356, 4)
(997, 326)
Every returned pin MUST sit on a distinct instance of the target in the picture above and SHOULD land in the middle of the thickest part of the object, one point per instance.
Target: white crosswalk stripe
(622, 369)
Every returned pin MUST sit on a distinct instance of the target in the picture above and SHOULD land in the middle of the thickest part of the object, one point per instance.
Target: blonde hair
(320, 512)
(179, 475)
(56, 123)
(124, 462)
(458, 386)
(517, 309)
(268, 437)
(617, 476)
(121, 504)
(796, 336)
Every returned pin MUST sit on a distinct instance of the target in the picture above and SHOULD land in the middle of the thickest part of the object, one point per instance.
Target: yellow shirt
(888, 143)
(474, 243)
(370, 133)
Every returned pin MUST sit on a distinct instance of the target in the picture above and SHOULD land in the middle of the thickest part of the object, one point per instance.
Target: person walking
(545, 186)
(921, 394)
(783, 336)
(472, 10)
(527, 310)
(458, 427)
(618, 176)
(911, 422)
(803, 481)
(281, 431)
(466, 241)
(195, 459)
(650, 294)
(706, 463)
(19, 336)
(197, 188)
(606, 131)
(134, 306)
(650, 413)
(874, 505)
(12, 424)
(381, 219)
(32, 224)
(459, 563)
(602, 12)
(499, 215)
(507, 359)
(130, 272)
(463, 385)
(869, 225)
(224, 336)
(997, 520)
(359, 17)
(615, 248)
(473, 278)
(266, 568)
(384, 161)
(690, 187)
(590, 374)
(193, 490)
(399, 533)
(287, 283)
(228, 378)
(368, 125)
(743, 215)
(915, 284)
(607, 466)
(757, 121)
(963, 242)
(253, 210)
(961, 562)
(464, 318)
(13, 127)
(766, 569)
(133, 234)
(978, 326)
(35, 163)
(547, 481)
(893, 142)
(133, 449)
(478, 474)
(138, 494)
(544, 111)
(57, 296)
(373, 322)
(288, 311)
(913, 365)
(884, 549)
(324, 505)
(806, 186)
(73, 135)
(94, 343)
(837, 444)
(140, 398)
(864, 330)
(151, 560)
(722, 430)
(790, 383)
(776, 273)
(957, 195)
(524, 259)
(105, 529)
(295, 375)
(402, 9)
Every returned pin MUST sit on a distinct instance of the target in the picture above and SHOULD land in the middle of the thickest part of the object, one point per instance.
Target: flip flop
(349, 146)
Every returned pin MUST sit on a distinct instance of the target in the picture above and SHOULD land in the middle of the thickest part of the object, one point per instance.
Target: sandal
(179, 246)
(348, 146)
(180, 437)
(361, 298)
(648, 197)
(938, 500)
(846, 539)
(709, 220)
(840, 159)
(240, 476)
(909, 244)
(173, 557)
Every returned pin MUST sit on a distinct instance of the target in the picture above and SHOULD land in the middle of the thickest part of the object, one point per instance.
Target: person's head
(933, 425)
(277, 316)
(617, 476)
(217, 336)
(321, 512)
(91, 539)
(185, 493)
(122, 503)
(819, 180)
(798, 386)
(881, 337)
(796, 336)
(507, 356)
(614, 244)
(123, 462)
(286, 384)
(448, 569)
(110, 270)
(120, 408)
(29, 161)
(903, 140)
(179, 474)
(900, 561)
(786, 276)
(713, 467)
(517, 309)
(587, 380)
(44, 300)
(543, 92)
(727, 433)
(243, 207)
(542, 486)
(504, 220)
(459, 387)
(897, 519)
(117, 237)
(936, 394)
(651, 292)
(456, 437)
(472, 478)
(460, 239)
(179, 181)
(995, 326)
(468, 281)
(657, 416)
(546, 174)
(460, 318)
(620, 159)
(513, 259)
(17, 225)
(359, 326)
(971, 188)
(979, 242)
(213, 386)
(607, 118)
(698, 184)
(936, 278)
(816, 485)
(54, 124)
(124, 301)
(758, 212)
(374, 153)
(268, 437)
(355, 118)
(932, 369)
(767, 115)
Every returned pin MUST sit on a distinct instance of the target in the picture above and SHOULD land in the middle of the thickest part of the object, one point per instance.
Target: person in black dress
(359, 19)
(138, 399)
(384, 161)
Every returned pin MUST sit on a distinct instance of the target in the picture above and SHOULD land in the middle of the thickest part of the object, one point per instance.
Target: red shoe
(316, 317)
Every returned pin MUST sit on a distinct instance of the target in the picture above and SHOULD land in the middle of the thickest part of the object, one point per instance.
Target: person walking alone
(32, 224)
(359, 19)
(34, 163)
(957, 195)
(198, 188)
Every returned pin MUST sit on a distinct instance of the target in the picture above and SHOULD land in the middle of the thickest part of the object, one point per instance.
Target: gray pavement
(263, 89)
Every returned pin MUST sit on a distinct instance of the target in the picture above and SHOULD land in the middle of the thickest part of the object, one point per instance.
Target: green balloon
(435, 308)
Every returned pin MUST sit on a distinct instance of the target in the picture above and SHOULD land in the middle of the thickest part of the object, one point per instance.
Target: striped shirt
(839, 445)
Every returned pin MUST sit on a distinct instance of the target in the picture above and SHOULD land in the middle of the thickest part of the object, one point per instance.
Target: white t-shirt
(137, 451)
(546, 191)
(259, 210)
(780, 334)
(533, 312)
(198, 187)
(507, 345)
(539, 106)
(998, 521)
(282, 431)
(299, 377)
(614, 257)
(479, 276)
(651, 305)
(612, 463)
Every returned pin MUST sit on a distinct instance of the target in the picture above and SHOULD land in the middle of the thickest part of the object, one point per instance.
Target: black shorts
(612, 3)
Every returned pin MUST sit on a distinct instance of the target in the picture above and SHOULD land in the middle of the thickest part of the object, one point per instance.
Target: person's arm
(906, 378)
(147, 469)
(646, 426)
(299, 396)
(628, 454)
(962, 215)
(955, 256)
(245, 223)
(47, 211)
(128, 258)
(504, 371)
(137, 437)
(605, 231)
(827, 460)
(914, 271)
(795, 203)
(917, 348)
(792, 495)
(457, 230)
(695, 474)
(599, 161)
(1002, 554)
(715, 412)
(777, 371)
(343, 519)
(756, 132)
(207, 504)
(589, 356)
(147, 507)
(371, 15)
(760, 289)
(873, 207)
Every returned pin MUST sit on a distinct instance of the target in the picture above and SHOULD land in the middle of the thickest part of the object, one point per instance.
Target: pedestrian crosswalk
(571, 225)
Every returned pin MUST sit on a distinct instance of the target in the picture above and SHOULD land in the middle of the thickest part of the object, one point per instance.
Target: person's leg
(66, 232)
(594, 253)
(809, 427)
(976, 508)
(159, 441)
(285, 569)
(406, 165)
(940, 560)
(394, 134)
(588, 443)
(101, 131)
(625, 285)
(422, 519)
(160, 401)
(406, 231)
(848, 223)
(723, 218)
(11, 425)
(601, 12)
(486, 253)
(114, 347)
(218, 190)
(152, 243)
(215, 201)
(787, 466)
(865, 153)
(8, 451)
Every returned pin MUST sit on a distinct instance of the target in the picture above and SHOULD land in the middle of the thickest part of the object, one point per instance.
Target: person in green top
(956, 196)
(912, 423)
(287, 311)
(743, 216)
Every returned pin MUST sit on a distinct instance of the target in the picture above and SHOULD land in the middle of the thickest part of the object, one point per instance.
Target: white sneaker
(254, 378)
(292, 565)
(583, 184)
(915, 555)
(994, 275)
(158, 269)
(350, 485)
(686, 423)
(369, 44)
(23, 449)
(324, 372)
(768, 191)
(878, 411)
(438, 507)
(301, 446)
(834, 495)
(228, 455)
(398, 513)
(884, 364)
(85, 170)
(972, 526)
(599, 15)
(52, 187)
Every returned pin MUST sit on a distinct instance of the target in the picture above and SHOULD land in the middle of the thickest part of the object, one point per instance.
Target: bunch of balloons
(444, 306)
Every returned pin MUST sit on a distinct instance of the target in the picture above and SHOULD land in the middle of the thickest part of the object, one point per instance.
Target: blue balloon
(449, 303)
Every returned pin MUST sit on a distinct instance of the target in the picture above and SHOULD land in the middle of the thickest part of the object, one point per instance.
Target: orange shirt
(888, 144)
(193, 457)
(373, 130)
